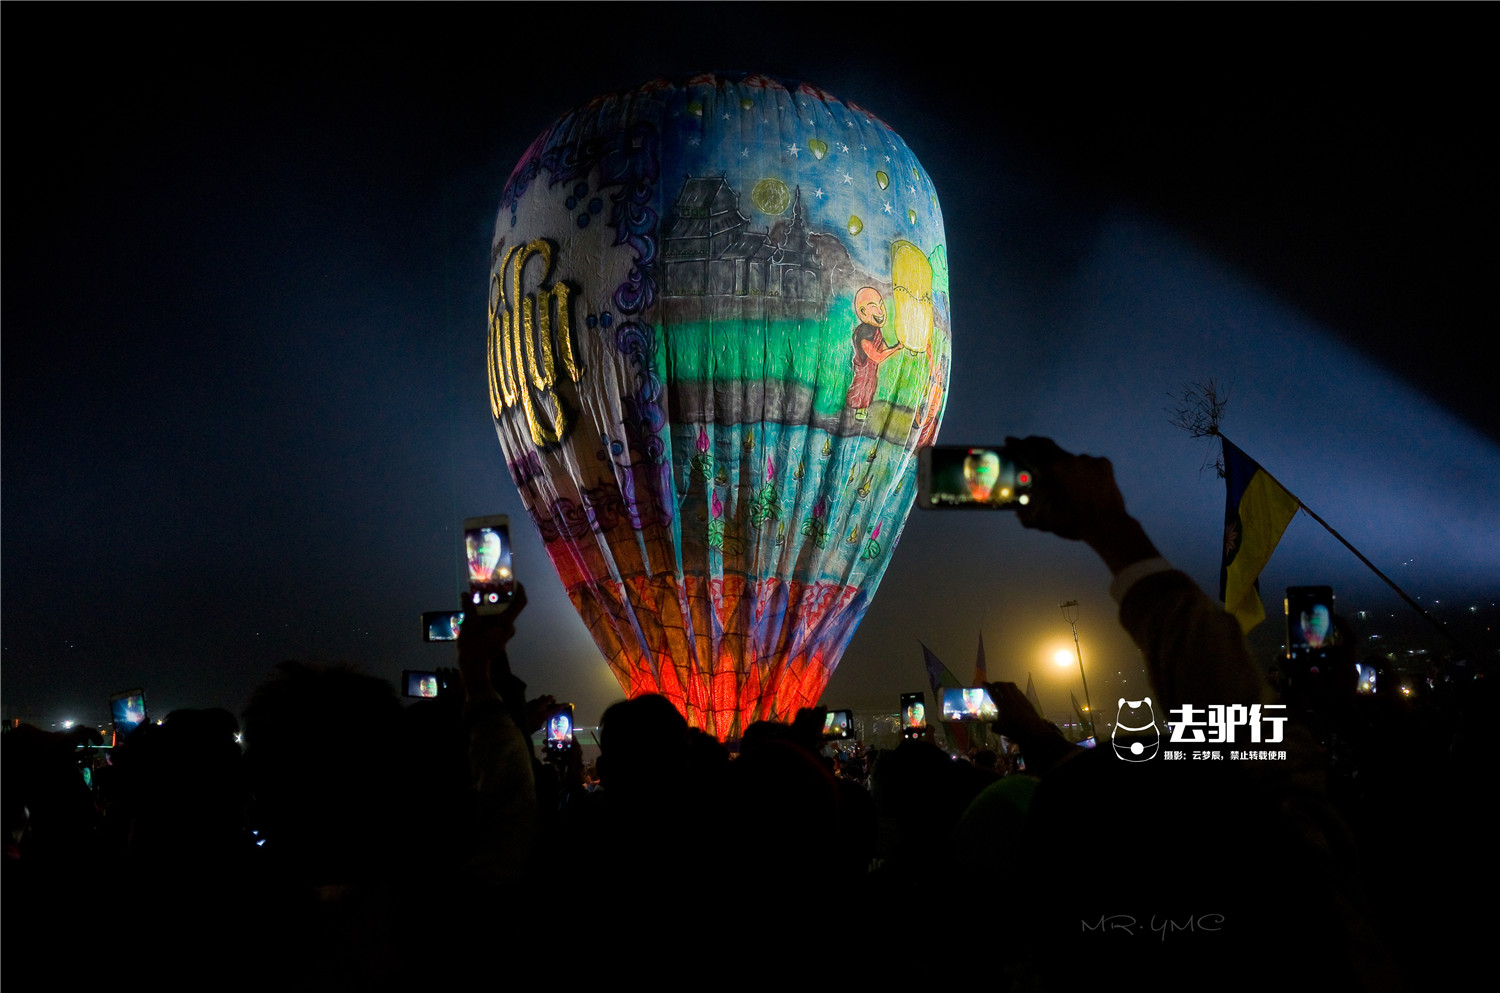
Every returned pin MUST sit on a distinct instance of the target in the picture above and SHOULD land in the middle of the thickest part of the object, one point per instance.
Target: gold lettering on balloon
(529, 334)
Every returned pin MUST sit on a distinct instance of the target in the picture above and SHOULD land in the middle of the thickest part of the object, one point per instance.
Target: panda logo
(1137, 719)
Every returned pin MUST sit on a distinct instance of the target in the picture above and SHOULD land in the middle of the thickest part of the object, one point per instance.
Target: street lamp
(1070, 614)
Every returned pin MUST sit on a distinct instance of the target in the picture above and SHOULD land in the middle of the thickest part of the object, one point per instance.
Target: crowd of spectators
(441, 845)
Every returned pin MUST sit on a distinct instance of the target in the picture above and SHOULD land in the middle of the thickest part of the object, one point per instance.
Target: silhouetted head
(321, 746)
(642, 742)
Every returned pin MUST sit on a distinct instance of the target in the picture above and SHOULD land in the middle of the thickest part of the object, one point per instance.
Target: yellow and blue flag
(1257, 510)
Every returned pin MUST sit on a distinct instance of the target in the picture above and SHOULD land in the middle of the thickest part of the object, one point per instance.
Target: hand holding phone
(1017, 719)
(481, 647)
(1075, 497)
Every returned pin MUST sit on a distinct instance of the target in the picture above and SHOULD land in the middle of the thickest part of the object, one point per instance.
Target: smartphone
(1368, 677)
(487, 551)
(441, 625)
(838, 724)
(128, 711)
(913, 715)
(559, 729)
(422, 685)
(1309, 622)
(969, 704)
(964, 478)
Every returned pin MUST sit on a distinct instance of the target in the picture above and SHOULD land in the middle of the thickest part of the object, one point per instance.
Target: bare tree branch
(1198, 411)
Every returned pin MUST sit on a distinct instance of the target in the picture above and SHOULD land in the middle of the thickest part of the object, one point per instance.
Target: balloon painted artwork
(718, 333)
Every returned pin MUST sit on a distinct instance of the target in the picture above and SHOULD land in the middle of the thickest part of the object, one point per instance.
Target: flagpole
(1357, 554)
(1388, 581)
(1073, 623)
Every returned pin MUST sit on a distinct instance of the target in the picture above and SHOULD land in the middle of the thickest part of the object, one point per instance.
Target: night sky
(243, 329)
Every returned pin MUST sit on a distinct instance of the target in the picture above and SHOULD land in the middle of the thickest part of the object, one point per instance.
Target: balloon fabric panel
(718, 333)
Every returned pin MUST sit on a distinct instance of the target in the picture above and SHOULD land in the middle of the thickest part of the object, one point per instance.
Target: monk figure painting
(870, 350)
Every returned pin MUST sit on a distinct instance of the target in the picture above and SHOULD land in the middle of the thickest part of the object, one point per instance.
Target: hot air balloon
(718, 332)
(981, 473)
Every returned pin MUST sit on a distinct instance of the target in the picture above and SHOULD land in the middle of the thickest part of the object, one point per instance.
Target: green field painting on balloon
(814, 355)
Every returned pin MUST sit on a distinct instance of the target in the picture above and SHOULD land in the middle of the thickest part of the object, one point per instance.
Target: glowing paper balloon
(981, 473)
(484, 554)
(718, 331)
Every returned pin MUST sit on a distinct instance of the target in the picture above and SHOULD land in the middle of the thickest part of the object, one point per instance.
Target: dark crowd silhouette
(354, 842)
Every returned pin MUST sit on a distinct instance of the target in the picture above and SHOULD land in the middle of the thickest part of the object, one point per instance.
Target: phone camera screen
(970, 704)
(985, 478)
(913, 711)
(487, 550)
(1309, 621)
(128, 711)
(422, 685)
